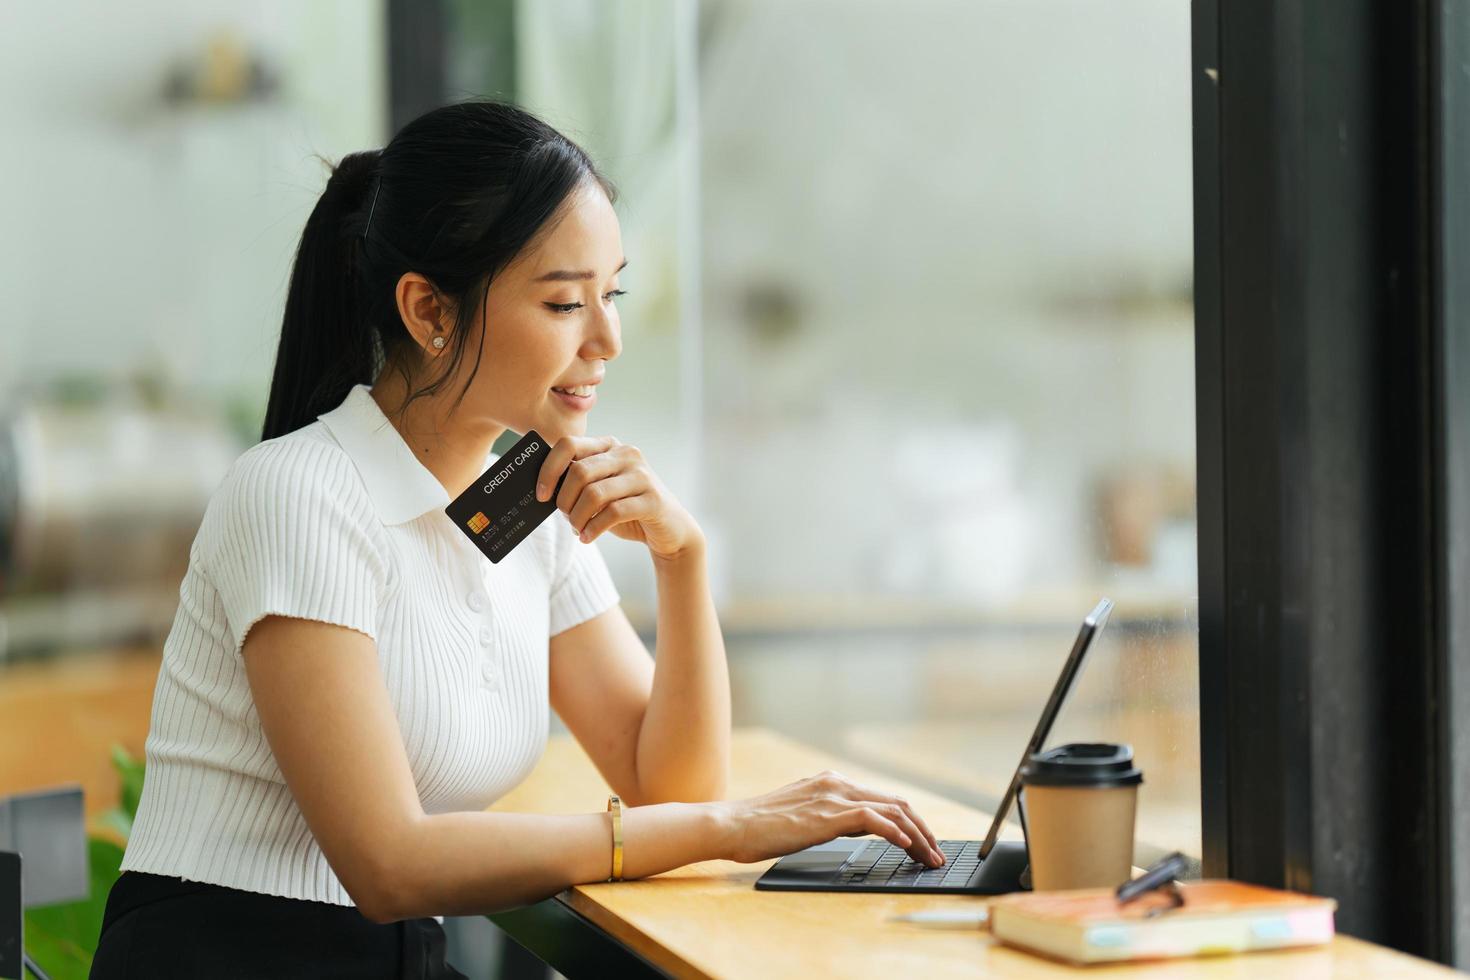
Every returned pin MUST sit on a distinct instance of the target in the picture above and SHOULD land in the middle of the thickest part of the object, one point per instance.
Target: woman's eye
(569, 307)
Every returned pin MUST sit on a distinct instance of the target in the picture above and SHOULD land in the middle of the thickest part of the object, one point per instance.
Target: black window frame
(1332, 307)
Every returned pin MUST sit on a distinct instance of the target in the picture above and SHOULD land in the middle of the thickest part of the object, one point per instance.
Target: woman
(349, 683)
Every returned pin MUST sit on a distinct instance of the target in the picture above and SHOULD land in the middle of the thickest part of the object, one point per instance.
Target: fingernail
(584, 535)
(540, 491)
(905, 839)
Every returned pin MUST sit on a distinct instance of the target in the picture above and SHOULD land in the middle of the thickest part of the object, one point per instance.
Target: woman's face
(550, 324)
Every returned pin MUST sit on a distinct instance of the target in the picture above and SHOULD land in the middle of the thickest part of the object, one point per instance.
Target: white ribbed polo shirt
(339, 522)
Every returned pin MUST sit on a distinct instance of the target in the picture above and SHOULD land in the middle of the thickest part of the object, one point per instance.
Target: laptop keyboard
(881, 863)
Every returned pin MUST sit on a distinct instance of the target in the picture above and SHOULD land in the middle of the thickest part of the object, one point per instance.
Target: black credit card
(500, 509)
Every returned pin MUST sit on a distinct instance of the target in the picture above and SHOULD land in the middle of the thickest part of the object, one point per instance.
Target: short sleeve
(289, 532)
(581, 586)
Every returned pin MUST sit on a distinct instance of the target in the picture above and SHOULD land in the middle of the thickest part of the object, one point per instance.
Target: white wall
(140, 235)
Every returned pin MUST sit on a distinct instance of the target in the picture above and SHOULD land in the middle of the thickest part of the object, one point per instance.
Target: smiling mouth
(580, 391)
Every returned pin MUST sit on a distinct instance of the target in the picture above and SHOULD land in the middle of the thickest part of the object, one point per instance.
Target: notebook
(1217, 917)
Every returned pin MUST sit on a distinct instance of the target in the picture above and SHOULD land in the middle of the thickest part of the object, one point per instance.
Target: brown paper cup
(1080, 803)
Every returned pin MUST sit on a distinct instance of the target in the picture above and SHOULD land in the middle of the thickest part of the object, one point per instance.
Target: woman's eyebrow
(573, 275)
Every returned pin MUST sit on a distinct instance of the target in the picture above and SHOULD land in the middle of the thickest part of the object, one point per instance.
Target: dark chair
(43, 860)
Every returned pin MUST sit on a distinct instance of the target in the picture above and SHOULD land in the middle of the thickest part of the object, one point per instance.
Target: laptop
(972, 867)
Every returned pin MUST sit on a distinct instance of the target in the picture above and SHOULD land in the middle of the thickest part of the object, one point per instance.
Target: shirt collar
(401, 488)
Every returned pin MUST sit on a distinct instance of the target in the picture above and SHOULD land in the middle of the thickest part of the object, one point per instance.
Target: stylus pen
(947, 918)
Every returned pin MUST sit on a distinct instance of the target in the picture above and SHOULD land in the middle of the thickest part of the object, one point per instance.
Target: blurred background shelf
(754, 617)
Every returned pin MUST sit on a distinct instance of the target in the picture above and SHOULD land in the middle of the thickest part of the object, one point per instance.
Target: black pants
(156, 926)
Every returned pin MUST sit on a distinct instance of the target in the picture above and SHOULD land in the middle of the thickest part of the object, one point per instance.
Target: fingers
(920, 850)
(895, 808)
(583, 472)
(866, 820)
(621, 511)
(605, 488)
(567, 449)
(601, 492)
(890, 822)
(908, 811)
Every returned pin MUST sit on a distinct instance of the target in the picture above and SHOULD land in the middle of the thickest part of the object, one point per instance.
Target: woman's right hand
(817, 809)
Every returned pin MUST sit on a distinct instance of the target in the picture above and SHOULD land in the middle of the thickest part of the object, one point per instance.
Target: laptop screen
(1091, 626)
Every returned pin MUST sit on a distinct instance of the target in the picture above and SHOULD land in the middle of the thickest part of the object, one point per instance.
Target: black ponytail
(325, 348)
(454, 196)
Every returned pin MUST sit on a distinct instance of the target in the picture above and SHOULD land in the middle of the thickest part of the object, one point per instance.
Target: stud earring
(438, 343)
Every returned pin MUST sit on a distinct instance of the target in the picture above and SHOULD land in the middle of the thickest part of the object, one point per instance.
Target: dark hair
(455, 196)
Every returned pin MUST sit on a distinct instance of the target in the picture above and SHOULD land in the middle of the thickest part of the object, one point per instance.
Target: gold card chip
(479, 522)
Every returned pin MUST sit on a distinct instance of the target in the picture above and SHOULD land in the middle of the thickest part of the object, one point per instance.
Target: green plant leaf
(118, 821)
(130, 771)
(60, 958)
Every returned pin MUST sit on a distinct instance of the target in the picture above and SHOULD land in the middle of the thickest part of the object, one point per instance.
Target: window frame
(1333, 454)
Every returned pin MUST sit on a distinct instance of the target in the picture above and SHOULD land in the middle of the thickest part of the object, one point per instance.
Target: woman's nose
(604, 338)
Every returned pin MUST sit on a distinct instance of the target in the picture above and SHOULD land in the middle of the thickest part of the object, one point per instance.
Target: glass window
(949, 379)
(910, 329)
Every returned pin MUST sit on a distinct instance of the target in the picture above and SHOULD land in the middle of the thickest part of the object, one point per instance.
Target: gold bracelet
(615, 807)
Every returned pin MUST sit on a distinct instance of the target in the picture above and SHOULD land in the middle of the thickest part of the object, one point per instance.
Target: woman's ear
(423, 314)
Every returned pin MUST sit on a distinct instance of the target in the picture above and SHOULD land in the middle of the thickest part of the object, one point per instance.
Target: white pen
(947, 918)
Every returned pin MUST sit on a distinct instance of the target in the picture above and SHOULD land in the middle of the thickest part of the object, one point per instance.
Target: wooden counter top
(707, 920)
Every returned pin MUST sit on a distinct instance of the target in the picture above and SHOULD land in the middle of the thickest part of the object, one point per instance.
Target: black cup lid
(1098, 764)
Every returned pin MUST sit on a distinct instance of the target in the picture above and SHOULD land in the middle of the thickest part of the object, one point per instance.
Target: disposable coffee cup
(1080, 800)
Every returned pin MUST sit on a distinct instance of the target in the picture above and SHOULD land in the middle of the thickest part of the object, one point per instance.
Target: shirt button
(476, 601)
(487, 671)
(487, 636)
